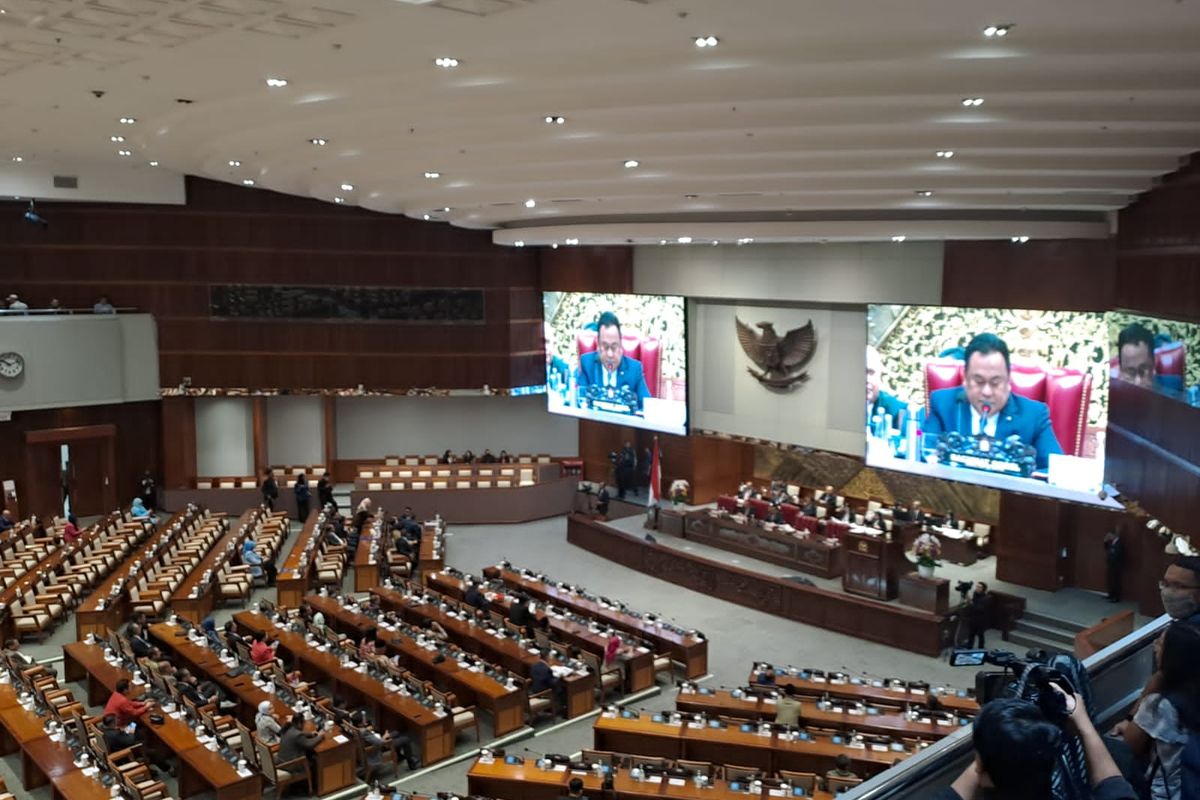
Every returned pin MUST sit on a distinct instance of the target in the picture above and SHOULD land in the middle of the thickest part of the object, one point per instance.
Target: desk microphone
(985, 411)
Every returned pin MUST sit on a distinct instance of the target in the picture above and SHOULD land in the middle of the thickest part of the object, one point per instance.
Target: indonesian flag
(655, 493)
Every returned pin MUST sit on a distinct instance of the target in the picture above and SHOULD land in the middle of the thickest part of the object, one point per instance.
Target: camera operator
(978, 615)
(1017, 749)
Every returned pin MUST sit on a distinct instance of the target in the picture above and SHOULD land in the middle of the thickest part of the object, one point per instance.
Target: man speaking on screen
(608, 368)
(986, 404)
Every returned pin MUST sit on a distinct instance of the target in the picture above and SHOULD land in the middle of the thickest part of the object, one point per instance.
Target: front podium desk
(873, 565)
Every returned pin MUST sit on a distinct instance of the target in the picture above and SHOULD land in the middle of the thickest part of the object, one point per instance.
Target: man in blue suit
(608, 368)
(985, 403)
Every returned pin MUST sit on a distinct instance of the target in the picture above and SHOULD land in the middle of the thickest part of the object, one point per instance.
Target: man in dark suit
(986, 404)
(1135, 356)
(878, 400)
(607, 367)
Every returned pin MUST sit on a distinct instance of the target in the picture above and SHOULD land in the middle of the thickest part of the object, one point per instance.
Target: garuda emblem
(781, 360)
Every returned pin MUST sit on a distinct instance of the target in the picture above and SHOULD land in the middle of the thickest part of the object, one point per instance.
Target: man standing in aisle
(626, 464)
(270, 489)
(303, 493)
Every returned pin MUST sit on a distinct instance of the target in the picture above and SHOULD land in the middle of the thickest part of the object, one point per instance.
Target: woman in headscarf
(251, 558)
(265, 725)
(138, 509)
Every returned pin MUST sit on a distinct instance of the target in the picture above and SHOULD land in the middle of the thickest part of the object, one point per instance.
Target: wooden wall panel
(586, 269)
(164, 259)
(1029, 541)
(178, 428)
(1067, 274)
(137, 443)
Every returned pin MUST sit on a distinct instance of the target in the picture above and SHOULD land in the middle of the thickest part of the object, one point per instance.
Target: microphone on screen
(986, 411)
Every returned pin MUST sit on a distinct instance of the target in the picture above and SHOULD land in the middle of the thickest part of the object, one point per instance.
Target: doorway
(71, 469)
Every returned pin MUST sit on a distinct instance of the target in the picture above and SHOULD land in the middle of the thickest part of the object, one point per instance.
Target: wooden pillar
(329, 431)
(259, 414)
(179, 442)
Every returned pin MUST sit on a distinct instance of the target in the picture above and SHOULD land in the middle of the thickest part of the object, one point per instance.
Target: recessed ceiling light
(554, 246)
(571, 241)
(662, 241)
(944, 154)
(997, 30)
(924, 193)
(233, 162)
(531, 203)
(632, 163)
(972, 101)
(1020, 239)
(277, 83)
(707, 41)
(339, 200)
(425, 217)
(116, 138)
(445, 62)
(684, 240)
(519, 243)
(127, 120)
(746, 240)
(154, 163)
(18, 159)
(899, 238)
(347, 187)
(124, 152)
(247, 181)
(318, 141)
(716, 242)
(554, 119)
(433, 176)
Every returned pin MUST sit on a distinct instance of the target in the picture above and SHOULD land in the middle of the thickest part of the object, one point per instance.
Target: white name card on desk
(676, 782)
(560, 768)
(340, 739)
(768, 701)
(879, 747)
(654, 779)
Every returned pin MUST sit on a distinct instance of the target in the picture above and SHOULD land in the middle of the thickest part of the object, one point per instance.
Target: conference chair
(839, 785)
(392, 461)
(464, 716)
(604, 757)
(605, 678)
(705, 768)
(805, 780)
(281, 775)
(653, 762)
(664, 663)
(540, 704)
(733, 772)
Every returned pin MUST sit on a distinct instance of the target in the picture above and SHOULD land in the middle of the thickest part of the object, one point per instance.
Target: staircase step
(1064, 638)
(1019, 642)
(1053, 622)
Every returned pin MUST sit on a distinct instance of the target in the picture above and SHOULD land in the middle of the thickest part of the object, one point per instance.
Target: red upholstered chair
(836, 529)
(1170, 363)
(807, 523)
(727, 503)
(1065, 391)
(791, 514)
(645, 349)
(759, 508)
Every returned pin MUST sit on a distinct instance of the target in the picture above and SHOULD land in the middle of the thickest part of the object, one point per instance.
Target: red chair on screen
(727, 503)
(1066, 392)
(791, 514)
(836, 529)
(1170, 364)
(645, 349)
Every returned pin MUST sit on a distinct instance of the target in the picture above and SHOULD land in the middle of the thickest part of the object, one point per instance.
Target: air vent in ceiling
(66, 181)
(569, 200)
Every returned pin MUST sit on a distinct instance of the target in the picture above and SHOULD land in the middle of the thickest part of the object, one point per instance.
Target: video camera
(1030, 678)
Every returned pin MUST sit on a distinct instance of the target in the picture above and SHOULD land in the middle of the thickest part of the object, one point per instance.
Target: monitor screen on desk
(1007, 398)
(619, 358)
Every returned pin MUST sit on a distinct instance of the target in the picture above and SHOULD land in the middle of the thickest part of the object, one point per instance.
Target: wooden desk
(42, 761)
(957, 549)
(506, 706)
(505, 652)
(390, 710)
(335, 762)
(756, 707)
(200, 769)
(871, 620)
(292, 581)
(432, 557)
(639, 666)
(195, 609)
(687, 648)
(856, 689)
(812, 553)
(528, 782)
(734, 746)
(366, 561)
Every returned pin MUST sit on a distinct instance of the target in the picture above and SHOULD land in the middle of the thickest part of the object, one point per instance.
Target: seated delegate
(608, 370)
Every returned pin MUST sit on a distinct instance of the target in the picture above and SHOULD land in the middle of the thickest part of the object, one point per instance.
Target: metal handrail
(943, 760)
